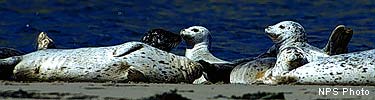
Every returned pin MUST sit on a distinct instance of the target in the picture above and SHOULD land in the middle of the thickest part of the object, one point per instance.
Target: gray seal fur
(132, 61)
(294, 51)
(356, 68)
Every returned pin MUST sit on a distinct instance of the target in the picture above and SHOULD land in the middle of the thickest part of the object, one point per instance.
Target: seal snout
(184, 35)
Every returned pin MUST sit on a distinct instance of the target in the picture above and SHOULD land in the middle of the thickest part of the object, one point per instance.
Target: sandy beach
(123, 91)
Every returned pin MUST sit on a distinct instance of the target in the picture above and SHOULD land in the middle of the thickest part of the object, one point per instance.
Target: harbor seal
(131, 61)
(346, 69)
(198, 40)
(294, 51)
(252, 69)
(162, 39)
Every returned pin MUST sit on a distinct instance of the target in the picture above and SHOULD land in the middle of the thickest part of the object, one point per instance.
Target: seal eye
(195, 30)
(281, 26)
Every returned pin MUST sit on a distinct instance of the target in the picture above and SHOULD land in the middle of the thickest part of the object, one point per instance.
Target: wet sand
(118, 91)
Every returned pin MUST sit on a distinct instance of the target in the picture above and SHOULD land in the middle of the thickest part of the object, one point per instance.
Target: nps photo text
(344, 91)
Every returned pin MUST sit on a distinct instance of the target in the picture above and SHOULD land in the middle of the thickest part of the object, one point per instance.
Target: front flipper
(339, 40)
(127, 49)
(44, 42)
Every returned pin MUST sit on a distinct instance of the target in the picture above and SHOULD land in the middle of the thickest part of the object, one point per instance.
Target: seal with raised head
(198, 40)
(131, 61)
(294, 51)
(251, 70)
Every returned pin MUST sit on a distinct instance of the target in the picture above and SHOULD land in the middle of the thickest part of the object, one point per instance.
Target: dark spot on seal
(162, 62)
(62, 68)
(36, 70)
(364, 70)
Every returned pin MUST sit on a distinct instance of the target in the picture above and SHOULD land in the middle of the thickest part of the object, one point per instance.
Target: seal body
(132, 61)
(294, 51)
(248, 72)
(253, 69)
(198, 40)
(356, 68)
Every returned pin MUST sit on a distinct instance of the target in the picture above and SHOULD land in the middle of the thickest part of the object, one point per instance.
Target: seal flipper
(7, 66)
(136, 76)
(125, 51)
(216, 72)
(339, 40)
(44, 42)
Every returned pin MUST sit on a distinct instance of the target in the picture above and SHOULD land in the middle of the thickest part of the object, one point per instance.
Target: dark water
(237, 26)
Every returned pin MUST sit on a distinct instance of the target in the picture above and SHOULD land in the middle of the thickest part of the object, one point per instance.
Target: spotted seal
(131, 61)
(345, 69)
(252, 69)
(294, 51)
(198, 40)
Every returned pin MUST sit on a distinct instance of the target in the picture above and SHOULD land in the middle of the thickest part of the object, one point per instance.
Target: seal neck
(294, 40)
(199, 47)
(198, 51)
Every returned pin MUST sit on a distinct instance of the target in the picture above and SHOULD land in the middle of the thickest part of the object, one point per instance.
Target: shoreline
(88, 90)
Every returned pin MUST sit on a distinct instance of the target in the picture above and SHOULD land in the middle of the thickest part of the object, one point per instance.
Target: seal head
(196, 34)
(286, 32)
(161, 39)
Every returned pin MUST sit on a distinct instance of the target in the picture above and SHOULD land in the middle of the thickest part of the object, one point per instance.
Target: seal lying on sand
(294, 51)
(356, 68)
(250, 71)
(132, 61)
(198, 39)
